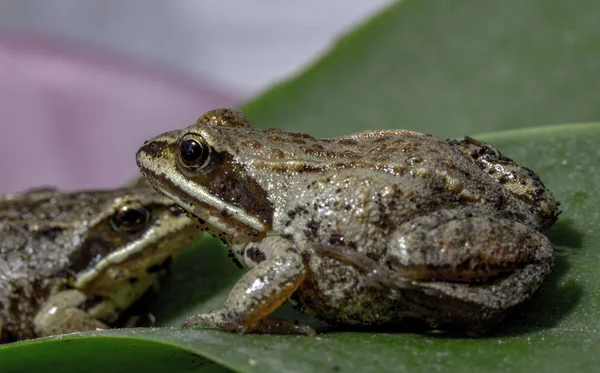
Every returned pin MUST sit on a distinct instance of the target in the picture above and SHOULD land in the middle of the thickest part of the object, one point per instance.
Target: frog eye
(130, 218)
(194, 154)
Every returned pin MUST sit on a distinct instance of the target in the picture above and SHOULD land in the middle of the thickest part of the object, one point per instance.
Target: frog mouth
(217, 213)
(196, 200)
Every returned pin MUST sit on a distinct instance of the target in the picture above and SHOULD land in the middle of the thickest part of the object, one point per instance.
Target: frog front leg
(260, 291)
(61, 314)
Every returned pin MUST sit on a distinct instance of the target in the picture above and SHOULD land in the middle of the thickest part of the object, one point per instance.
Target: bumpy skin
(373, 228)
(67, 264)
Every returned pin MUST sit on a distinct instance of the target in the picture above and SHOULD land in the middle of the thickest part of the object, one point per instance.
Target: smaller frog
(374, 228)
(74, 261)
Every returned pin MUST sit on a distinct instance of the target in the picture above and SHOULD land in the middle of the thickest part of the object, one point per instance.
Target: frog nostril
(153, 149)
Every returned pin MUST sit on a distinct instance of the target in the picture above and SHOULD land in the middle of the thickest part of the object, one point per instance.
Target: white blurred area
(84, 82)
(243, 46)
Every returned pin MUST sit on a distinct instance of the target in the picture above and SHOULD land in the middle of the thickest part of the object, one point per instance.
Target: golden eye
(194, 154)
(131, 218)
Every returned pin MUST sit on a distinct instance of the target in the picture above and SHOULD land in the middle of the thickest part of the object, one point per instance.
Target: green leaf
(102, 355)
(444, 67)
(450, 68)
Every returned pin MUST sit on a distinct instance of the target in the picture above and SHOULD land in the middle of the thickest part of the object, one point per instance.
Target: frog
(380, 228)
(73, 261)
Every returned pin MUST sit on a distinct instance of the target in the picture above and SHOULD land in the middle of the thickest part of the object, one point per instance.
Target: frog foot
(267, 325)
(61, 314)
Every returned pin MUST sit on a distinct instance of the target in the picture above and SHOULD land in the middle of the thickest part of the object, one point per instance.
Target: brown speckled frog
(74, 261)
(374, 228)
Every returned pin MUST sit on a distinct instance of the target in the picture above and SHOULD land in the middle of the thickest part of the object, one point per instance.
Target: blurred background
(83, 83)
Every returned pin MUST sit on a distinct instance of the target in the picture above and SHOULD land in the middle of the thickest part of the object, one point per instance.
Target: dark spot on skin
(50, 233)
(224, 212)
(252, 144)
(255, 255)
(292, 250)
(499, 199)
(392, 262)
(253, 233)
(336, 238)
(291, 214)
(278, 153)
(275, 138)
(300, 135)
(352, 245)
(301, 210)
(154, 149)
(200, 221)
(235, 259)
(348, 142)
(313, 228)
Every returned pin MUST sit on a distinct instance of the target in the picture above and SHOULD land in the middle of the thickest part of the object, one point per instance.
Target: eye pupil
(130, 219)
(131, 216)
(193, 153)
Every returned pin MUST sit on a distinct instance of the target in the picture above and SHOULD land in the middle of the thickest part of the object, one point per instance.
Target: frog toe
(267, 325)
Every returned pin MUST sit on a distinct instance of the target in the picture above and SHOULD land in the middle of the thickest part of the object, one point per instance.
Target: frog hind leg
(259, 292)
(60, 314)
(465, 246)
(452, 256)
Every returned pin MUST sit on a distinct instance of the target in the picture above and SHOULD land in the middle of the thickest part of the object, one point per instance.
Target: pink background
(74, 119)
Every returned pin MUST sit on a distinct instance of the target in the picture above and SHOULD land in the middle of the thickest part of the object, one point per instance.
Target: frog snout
(156, 148)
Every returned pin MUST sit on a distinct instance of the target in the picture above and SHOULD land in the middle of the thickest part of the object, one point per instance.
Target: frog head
(207, 169)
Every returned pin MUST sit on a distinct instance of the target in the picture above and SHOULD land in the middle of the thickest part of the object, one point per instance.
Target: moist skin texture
(374, 228)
